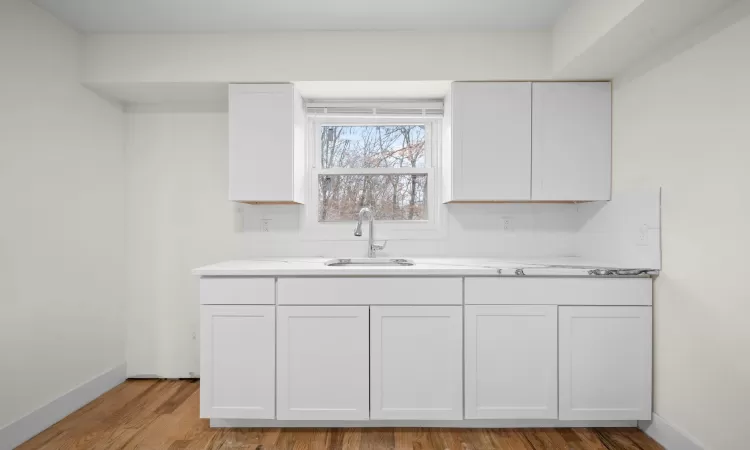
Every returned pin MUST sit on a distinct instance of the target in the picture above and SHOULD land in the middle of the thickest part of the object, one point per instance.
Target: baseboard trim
(669, 436)
(472, 423)
(23, 429)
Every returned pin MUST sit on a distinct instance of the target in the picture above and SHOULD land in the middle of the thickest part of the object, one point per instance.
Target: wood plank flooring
(163, 415)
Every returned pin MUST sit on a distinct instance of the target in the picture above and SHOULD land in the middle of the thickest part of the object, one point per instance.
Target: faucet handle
(379, 246)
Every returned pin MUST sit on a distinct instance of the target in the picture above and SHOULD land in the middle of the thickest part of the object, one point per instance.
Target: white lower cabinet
(322, 363)
(237, 362)
(511, 362)
(605, 362)
(579, 362)
(416, 362)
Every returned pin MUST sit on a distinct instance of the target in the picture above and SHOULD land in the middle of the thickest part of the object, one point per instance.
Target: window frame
(431, 228)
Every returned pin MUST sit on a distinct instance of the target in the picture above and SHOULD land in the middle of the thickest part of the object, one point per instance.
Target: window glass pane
(390, 197)
(372, 146)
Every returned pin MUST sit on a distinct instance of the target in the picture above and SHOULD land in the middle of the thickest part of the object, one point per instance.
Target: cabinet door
(511, 362)
(491, 141)
(416, 362)
(572, 141)
(323, 363)
(605, 362)
(237, 362)
(263, 148)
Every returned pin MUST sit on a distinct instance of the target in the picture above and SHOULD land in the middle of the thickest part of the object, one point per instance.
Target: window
(382, 163)
(394, 186)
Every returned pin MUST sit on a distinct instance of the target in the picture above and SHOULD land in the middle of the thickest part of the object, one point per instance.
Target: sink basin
(369, 262)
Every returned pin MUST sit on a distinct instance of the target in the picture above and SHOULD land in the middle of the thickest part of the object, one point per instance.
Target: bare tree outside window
(400, 196)
(372, 146)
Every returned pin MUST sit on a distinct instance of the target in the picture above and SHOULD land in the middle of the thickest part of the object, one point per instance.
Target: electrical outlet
(643, 235)
(507, 224)
(265, 225)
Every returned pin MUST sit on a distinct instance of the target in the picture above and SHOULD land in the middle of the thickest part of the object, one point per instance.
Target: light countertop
(448, 266)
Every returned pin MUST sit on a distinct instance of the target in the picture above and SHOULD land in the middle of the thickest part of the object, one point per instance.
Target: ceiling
(202, 16)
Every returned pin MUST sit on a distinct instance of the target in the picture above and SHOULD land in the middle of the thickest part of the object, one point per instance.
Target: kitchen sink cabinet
(415, 362)
(487, 350)
(322, 362)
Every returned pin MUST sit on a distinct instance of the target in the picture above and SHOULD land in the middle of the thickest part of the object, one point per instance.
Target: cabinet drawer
(370, 291)
(237, 291)
(558, 291)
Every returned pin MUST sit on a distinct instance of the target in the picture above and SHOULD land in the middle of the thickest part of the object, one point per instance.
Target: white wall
(62, 220)
(179, 218)
(315, 56)
(593, 40)
(605, 38)
(682, 124)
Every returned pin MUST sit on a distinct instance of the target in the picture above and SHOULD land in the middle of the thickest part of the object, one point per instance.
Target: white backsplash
(538, 230)
(625, 231)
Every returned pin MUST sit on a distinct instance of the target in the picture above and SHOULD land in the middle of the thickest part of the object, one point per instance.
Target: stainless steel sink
(369, 262)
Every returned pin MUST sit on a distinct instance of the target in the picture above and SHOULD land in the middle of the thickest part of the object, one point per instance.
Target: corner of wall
(670, 437)
(23, 429)
(624, 232)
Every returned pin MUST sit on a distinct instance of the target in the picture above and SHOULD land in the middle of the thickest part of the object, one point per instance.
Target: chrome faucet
(372, 246)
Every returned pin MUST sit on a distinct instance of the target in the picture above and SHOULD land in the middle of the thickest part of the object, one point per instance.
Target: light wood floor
(150, 414)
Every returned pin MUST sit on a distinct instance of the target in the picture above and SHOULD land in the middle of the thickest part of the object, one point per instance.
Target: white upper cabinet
(523, 141)
(487, 151)
(571, 141)
(605, 362)
(266, 143)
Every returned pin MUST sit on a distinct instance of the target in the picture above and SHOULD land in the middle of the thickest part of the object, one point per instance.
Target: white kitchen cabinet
(511, 362)
(322, 363)
(266, 143)
(605, 362)
(487, 156)
(571, 141)
(416, 362)
(237, 362)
